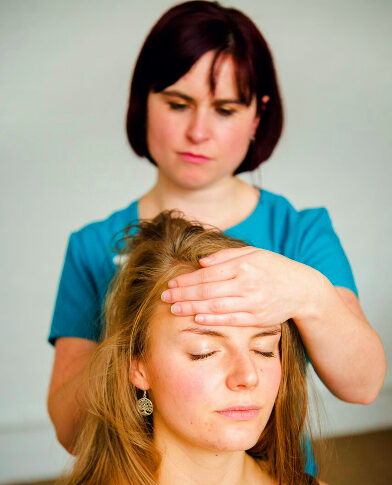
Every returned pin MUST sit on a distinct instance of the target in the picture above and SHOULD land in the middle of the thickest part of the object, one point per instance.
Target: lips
(240, 408)
(194, 158)
(240, 413)
(196, 155)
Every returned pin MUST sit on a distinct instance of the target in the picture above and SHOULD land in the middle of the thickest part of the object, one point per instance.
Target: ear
(256, 122)
(138, 374)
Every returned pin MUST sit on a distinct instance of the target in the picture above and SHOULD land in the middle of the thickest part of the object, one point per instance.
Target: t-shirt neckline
(239, 224)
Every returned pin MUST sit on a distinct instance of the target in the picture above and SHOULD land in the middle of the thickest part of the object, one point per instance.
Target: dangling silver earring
(144, 405)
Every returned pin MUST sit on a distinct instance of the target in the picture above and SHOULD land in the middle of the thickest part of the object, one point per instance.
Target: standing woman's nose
(243, 372)
(198, 129)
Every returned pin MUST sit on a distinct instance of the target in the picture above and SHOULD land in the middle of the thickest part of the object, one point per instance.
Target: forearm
(64, 406)
(345, 351)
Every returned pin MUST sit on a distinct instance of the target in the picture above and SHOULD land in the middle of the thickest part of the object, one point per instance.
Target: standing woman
(204, 107)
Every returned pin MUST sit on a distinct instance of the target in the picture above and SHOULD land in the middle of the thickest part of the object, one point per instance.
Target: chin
(193, 178)
(189, 181)
(235, 442)
(233, 446)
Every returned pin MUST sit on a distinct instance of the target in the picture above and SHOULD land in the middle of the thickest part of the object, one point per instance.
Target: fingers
(226, 254)
(222, 267)
(220, 305)
(204, 291)
(204, 275)
(228, 319)
(235, 319)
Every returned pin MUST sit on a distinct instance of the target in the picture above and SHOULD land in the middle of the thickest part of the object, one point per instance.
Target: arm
(249, 286)
(74, 332)
(65, 392)
(345, 350)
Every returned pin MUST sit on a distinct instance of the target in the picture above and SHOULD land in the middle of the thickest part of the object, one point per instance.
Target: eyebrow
(214, 333)
(191, 100)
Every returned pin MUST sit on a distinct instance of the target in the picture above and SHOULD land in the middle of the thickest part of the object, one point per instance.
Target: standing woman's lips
(193, 157)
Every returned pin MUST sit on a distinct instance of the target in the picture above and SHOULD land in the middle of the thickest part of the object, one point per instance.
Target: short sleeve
(77, 309)
(319, 246)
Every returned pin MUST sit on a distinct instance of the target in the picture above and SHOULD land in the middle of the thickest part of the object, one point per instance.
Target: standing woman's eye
(225, 112)
(177, 106)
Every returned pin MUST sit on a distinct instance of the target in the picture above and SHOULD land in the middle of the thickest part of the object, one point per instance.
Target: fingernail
(199, 318)
(165, 296)
(176, 309)
(172, 284)
(207, 259)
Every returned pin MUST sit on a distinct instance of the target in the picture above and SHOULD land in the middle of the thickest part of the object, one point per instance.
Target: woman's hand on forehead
(244, 287)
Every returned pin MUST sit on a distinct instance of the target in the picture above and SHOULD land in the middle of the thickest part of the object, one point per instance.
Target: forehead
(165, 326)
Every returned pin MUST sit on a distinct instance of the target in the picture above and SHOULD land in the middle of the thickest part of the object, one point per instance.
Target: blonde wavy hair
(115, 444)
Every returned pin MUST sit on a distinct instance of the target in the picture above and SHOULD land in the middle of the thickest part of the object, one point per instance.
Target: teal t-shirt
(306, 236)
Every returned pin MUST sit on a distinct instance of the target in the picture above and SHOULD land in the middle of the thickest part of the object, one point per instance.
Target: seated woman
(170, 401)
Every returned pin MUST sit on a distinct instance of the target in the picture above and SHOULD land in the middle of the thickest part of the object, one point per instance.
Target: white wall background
(65, 74)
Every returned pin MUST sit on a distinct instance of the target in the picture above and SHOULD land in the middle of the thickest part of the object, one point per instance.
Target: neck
(221, 204)
(192, 467)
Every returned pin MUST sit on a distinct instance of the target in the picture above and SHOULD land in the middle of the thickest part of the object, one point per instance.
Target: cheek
(162, 129)
(157, 131)
(235, 139)
(191, 386)
(272, 376)
(177, 382)
(276, 378)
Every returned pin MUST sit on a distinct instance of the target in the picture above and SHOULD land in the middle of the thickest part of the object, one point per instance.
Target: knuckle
(203, 275)
(244, 266)
(200, 292)
(205, 292)
(218, 306)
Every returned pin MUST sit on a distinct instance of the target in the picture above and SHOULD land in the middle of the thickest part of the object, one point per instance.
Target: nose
(243, 373)
(198, 129)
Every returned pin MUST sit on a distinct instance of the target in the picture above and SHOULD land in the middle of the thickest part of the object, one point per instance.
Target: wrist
(314, 296)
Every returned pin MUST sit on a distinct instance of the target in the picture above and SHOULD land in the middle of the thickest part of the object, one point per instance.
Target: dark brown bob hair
(179, 38)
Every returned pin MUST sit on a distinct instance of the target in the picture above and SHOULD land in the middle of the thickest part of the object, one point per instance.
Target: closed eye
(182, 107)
(204, 356)
(200, 356)
(265, 354)
(225, 112)
(177, 106)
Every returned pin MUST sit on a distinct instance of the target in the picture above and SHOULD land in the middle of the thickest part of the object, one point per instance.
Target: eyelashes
(205, 356)
(177, 106)
(201, 356)
(182, 107)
